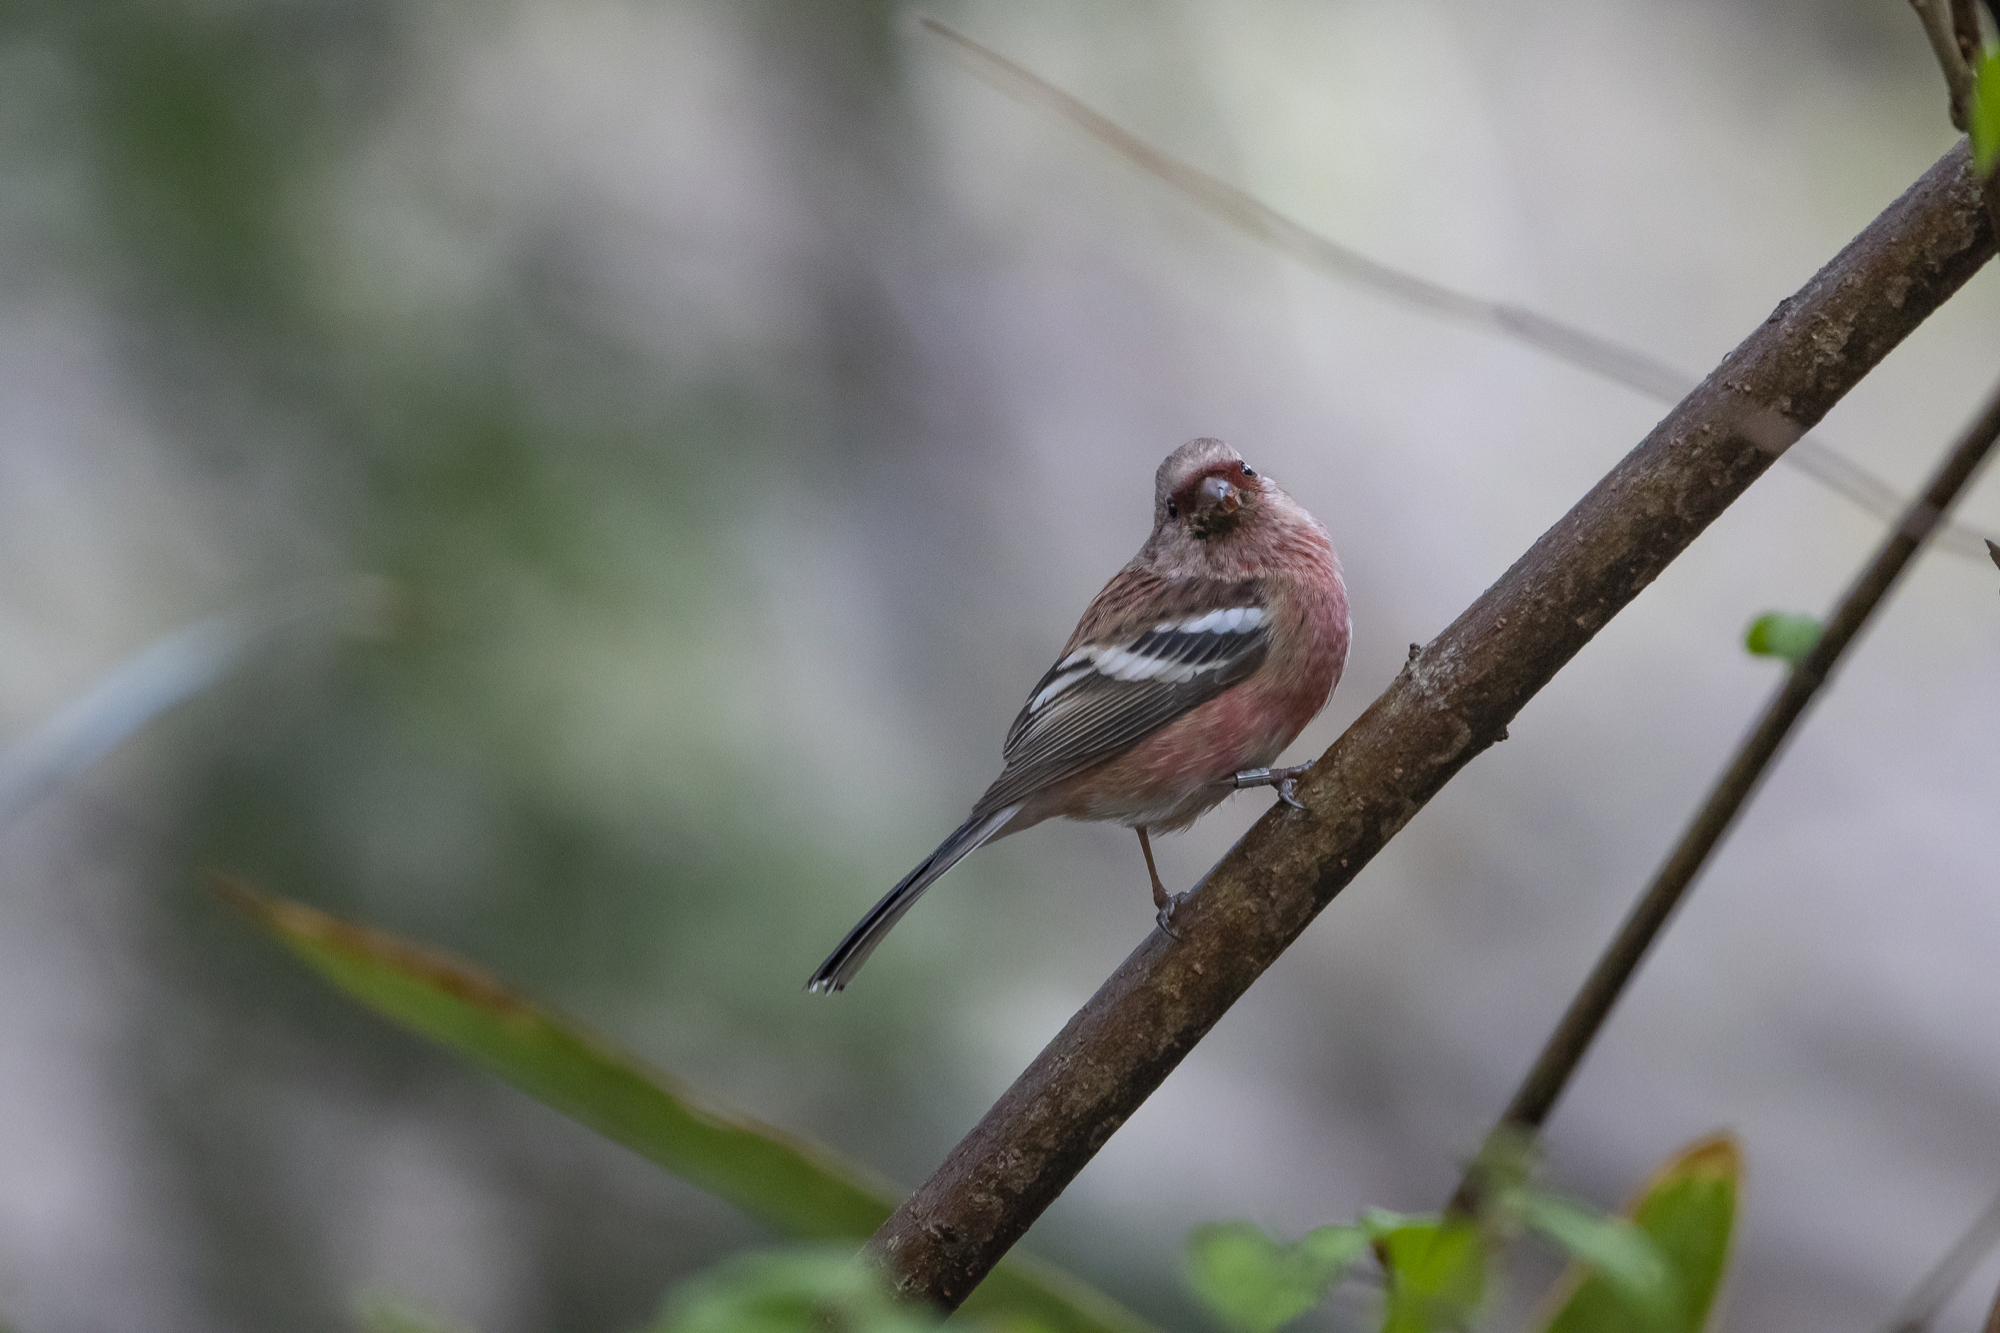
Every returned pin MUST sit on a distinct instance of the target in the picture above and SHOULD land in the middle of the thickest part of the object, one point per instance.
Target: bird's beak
(1223, 493)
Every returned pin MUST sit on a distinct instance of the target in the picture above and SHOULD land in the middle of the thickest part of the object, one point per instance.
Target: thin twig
(1922, 1305)
(1965, 27)
(1634, 369)
(1572, 1038)
(1953, 29)
(1451, 701)
(1944, 38)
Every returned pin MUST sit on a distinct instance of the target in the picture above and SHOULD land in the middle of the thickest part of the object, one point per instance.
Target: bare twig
(1945, 41)
(1451, 701)
(1922, 1305)
(1956, 40)
(1585, 351)
(1571, 1040)
(1965, 27)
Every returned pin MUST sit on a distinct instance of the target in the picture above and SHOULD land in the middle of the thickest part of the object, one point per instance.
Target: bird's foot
(1166, 914)
(1286, 780)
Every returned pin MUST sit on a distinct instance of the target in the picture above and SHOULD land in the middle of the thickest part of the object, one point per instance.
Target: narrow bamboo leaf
(797, 1188)
(1984, 115)
(160, 677)
(1254, 1284)
(1782, 634)
(1436, 1271)
(166, 672)
(1688, 1210)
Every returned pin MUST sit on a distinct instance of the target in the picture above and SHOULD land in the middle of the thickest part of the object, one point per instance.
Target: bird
(1185, 679)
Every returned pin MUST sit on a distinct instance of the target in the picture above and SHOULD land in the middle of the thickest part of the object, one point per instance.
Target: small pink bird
(1193, 669)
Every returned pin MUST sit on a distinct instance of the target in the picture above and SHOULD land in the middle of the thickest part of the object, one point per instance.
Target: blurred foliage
(379, 1310)
(797, 1188)
(1255, 1284)
(1642, 1289)
(555, 760)
(1434, 1271)
(804, 1291)
(1785, 635)
(1656, 1268)
(526, 494)
(1984, 113)
(1688, 1210)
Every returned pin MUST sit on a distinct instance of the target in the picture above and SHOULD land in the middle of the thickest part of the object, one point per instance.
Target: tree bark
(1452, 700)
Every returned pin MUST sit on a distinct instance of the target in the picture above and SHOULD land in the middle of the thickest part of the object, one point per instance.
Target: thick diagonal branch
(1451, 701)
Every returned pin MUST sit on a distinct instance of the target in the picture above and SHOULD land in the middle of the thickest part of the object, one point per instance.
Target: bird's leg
(1286, 780)
(1163, 900)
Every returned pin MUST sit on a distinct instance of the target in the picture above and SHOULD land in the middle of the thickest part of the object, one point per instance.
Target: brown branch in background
(1571, 1040)
(1566, 343)
(1452, 699)
(1960, 81)
(1965, 27)
(1921, 1307)
(1946, 37)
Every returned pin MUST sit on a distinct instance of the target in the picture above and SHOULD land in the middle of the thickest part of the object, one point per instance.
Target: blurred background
(655, 446)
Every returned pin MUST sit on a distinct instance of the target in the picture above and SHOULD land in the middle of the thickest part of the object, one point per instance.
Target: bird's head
(1204, 492)
(1214, 515)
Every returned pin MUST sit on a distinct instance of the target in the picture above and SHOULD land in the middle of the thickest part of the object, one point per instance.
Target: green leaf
(1505, 1163)
(1436, 1271)
(1984, 113)
(790, 1291)
(1782, 634)
(1622, 1257)
(1688, 1211)
(797, 1188)
(1254, 1284)
(380, 1310)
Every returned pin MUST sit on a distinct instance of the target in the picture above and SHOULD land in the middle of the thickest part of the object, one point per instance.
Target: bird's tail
(841, 965)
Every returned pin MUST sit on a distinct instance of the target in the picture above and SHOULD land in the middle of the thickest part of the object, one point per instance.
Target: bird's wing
(1147, 650)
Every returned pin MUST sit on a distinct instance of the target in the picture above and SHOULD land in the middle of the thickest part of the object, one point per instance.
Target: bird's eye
(1249, 471)
(1173, 510)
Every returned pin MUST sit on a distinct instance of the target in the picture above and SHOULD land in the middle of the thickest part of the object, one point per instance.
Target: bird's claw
(1166, 916)
(1286, 780)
